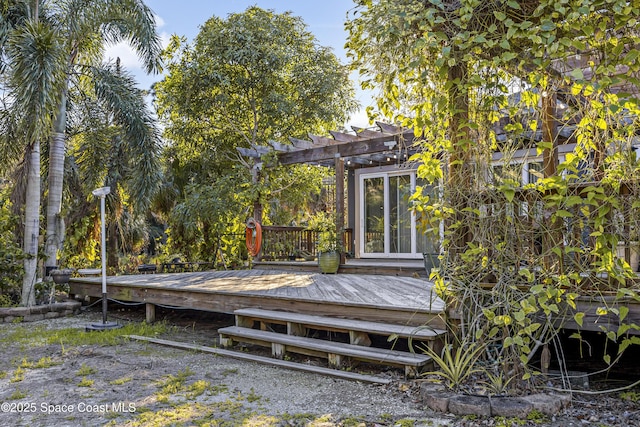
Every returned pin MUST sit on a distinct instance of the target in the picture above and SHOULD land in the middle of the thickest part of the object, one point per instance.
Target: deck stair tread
(373, 354)
(342, 324)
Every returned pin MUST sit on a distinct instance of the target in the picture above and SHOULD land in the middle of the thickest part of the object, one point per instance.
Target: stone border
(439, 399)
(39, 312)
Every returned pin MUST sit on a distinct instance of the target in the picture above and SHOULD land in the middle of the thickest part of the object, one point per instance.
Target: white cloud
(359, 119)
(128, 58)
(159, 21)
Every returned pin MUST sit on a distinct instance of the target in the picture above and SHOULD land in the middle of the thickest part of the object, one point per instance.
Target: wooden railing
(294, 243)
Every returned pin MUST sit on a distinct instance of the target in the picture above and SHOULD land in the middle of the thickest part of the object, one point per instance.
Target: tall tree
(481, 79)
(247, 79)
(86, 28)
(34, 71)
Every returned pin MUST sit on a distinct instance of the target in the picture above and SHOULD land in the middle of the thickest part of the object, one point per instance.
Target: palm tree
(45, 48)
(33, 73)
(113, 142)
(87, 26)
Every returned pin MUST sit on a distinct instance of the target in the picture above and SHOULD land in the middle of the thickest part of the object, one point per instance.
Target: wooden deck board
(375, 297)
(340, 325)
(373, 354)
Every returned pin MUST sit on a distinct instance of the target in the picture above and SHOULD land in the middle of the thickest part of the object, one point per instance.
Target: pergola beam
(357, 148)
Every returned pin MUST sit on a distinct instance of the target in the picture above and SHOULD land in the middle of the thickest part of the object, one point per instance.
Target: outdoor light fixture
(389, 144)
(102, 193)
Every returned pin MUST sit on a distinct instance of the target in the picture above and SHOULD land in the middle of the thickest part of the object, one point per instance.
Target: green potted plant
(329, 246)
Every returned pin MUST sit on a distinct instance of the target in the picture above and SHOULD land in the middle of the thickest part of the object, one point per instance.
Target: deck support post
(150, 309)
(335, 360)
(225, 342)
(296, 329)
(243, 321)
(339, 165)
(278, 350)
(359, 338)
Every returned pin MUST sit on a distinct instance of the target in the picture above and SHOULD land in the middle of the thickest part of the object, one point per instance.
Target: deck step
(246, 315)
(333, 351)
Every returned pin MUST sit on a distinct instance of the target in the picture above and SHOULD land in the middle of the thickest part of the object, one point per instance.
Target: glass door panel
(426, 240)
(374, 222)
(400, 218)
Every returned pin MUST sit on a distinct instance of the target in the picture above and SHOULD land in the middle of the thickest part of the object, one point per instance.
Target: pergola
(363, 148)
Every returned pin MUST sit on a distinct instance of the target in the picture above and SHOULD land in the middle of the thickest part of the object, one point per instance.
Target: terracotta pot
(329, 262)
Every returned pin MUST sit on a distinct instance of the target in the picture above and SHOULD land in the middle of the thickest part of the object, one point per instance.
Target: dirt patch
(130, 383)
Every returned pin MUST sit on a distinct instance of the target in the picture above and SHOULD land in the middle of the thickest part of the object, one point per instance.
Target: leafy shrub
(11, 255)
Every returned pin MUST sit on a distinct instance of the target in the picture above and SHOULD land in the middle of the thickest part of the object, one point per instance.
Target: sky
(325, 19)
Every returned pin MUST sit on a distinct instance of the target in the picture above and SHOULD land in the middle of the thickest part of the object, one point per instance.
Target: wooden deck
(394, 299)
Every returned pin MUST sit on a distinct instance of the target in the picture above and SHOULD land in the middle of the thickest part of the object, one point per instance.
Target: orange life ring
(253, 236)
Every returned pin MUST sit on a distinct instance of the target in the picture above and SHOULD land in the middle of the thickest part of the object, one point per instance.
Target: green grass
(120, 381)
(85, 370)
(18, 394)
(173, 384)
(42, 363)
(18, 375)
(252, 396)
(197, 389)
(85, 382)
(28, 337)
(631, 396)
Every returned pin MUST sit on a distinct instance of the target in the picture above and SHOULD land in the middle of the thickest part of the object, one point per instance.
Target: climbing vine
(527, 112)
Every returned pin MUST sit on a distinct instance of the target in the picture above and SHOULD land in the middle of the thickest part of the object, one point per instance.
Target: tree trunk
(31, 227)
(55, 183)
(553, 237)
(459, 155)
(113, 260)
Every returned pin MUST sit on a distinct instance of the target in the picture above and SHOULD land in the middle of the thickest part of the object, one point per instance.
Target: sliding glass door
(387, 225)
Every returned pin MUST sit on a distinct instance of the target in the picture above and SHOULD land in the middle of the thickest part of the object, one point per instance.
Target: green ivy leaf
(513, 4)
(578, 317)
(624, 310)
(577, 74)
(500, 16)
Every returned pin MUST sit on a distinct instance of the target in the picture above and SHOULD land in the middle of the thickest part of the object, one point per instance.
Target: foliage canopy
(508, 83)
(248, 79)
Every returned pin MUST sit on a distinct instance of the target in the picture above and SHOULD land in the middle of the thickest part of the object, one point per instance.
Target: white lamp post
(102, 193)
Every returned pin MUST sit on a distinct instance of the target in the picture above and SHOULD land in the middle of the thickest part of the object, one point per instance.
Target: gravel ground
(136, 383)
(129, 384)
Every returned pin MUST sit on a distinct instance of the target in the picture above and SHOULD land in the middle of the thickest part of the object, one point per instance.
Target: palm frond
(9, 136)
(127, 104)
(133, 21)
(13, 14)
(38, 64)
